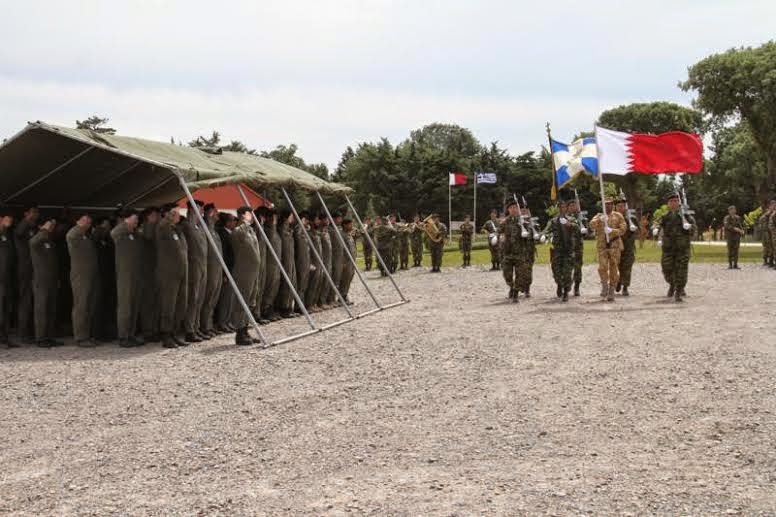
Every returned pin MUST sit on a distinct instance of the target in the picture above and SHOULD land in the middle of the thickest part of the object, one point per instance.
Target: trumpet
(432, 230)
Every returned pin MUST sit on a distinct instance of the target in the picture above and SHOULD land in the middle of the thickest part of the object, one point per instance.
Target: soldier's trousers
(212, 292)
(368, 258)
(25, 307)
(608, 265)
(627, 259)
(385, 254)
(271, 285)
(84, 304)
(417, 252)
(285, 299)
(149, 312)
(313, 282)
(45, 308)
(394, 258)
(437, 250)
(466, 251)
(732, 249)
(303, 281)
(5, 309)
(336, 275)
(347, 277)
(197, 281)
(404, 257)
(577, 273)
(674, 263)
(247, 284)
(325, 286)
(767, 248)
(173, 291)
(562, 267)
(495, 253)
(223, 313)
(129, 291)
(773, 243)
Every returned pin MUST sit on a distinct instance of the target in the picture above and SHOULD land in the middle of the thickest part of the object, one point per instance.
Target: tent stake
(299, 301)
(347, 251)
(209, 236)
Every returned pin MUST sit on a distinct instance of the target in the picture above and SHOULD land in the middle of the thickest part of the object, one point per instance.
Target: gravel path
(454, 404)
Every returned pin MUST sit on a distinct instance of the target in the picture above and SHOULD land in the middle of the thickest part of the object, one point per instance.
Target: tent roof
(51, 165)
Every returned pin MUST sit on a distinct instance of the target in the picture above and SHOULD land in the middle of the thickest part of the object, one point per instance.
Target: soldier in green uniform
(465, 241)
(383, 235)
(393, 264)
(302, 255)
(564, 232)
(525, 265)
(272, 276)
(416, 241)
(246, 271)
(403, 241)
(325, 288)
(45, 271)
(314, 283)
(349, 270)
(337, 257)
(6, 281)
(172, 266)
(149, 312)
(214, 277)
(285, 300)
(512, 252)
(260, 217)
(438, 248)
(223, 316)
(22, 234)
(676, 233)
(84, 271)
(628, 256)
(129, 276)
(734, 230)
(772, 232)
(766, 234)
(196, 243)
(491, 228)
(573, 215)
(365, 243)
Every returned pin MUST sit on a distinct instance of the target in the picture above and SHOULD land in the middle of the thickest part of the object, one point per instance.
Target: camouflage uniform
(384, 235)
(627, 258)
(403, 238)
(526, 269)
(513, 254)
(579, 252)
(438, 248)
(772, 234)
(732, 223)
(416, 242)
(676, 251)
(609, 250)
(564, 236)
(465, 243)
(367, 246)
(491, 227)
(766, 238)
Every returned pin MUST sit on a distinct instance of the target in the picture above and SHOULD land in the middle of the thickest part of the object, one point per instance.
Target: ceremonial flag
(623, 153)
(570, 160)
(457, 178)
(484, 178)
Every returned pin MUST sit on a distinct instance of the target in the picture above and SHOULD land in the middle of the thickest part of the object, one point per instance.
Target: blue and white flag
(486, 178)
(570, 160)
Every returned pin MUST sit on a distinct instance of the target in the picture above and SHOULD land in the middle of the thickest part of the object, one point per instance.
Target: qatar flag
(623, 153)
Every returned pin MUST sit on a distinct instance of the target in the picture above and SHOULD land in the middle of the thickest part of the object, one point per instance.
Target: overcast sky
(327, 74)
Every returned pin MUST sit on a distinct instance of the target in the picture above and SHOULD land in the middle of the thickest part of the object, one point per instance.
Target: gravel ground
(457, 403)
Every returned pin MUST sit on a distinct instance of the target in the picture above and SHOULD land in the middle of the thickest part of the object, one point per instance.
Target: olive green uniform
(325, 286)
(513, 254)
(272, 279)
(149, 312)
(84, 280)
(45, 269)
(196, 243)
(772, 232)
(337, 261)
(314, 282)
(675, 257)
(465, 243)
(383, 235)
(6, 284)
(172, 265)
(247, 263)
(214, 278)
(23, 232)
(129, 278)
(403, 237)
(416, 242)
(302, 260)
(766, 238)
(285, 299)
(731, 223)
(367, 246)
(564, 236)
(349, 269)
(438, 248)
(579, 252)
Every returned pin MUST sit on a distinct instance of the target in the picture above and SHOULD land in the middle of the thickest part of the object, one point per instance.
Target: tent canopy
(57, 166)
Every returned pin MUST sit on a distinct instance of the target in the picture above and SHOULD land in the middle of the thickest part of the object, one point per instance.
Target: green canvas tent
(55, 166)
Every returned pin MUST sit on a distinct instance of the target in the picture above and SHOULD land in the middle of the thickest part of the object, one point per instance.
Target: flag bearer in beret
(84, 278)
(628, 256)
(564, 232)
(45, 271)
(677, 231)
(247, 263)
(172, 265)
(129, 272)
(7, 256)
(609, 231)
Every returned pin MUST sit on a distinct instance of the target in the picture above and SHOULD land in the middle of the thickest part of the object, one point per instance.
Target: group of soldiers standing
(394, 241)
(155, 276)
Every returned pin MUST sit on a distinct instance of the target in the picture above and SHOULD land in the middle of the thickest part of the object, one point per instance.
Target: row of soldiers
(157, 276)
(394, 241)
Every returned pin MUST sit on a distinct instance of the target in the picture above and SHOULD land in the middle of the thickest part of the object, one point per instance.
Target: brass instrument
(432, 230)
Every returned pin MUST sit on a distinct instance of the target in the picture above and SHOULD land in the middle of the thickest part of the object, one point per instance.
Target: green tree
(203, 141)
(287, 154)
(96, 124)
(741, 84)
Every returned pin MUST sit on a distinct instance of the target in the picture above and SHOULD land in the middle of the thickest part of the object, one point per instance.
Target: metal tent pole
(223, 264)
(347, 251)
(279, 263)
(317, 255)
(374, 247)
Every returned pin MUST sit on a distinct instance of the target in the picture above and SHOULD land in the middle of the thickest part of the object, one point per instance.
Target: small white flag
(486, 178)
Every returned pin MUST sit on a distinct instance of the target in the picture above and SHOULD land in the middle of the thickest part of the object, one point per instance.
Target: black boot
(576, 288)
(565, 294)
(625, 291)
(169, 342)
(559, 291)
(730, 264)
(527, 292)
(735, 265)
(670, 291)
(619, 286)
(191, 337)
(241, 338)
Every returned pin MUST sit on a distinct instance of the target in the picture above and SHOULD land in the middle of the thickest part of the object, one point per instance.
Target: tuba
(432, 230)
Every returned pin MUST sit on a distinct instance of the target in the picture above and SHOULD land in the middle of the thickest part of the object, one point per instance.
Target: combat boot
(678, 295)
(619, 286)
(604, 289)
(168, 342)
(559, 291)
(242, 338)
(730, 264)
(511, 293)
(576, 288)
(735, 265)
(192, 338)
(565, 297)
(610, 294)
(178, 341)
(670, 291)
(527, 292)
(625, 291)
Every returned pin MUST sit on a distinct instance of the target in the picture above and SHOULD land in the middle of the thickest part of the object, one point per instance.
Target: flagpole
(450, 209)
(554, 191)
(601, 182)
(474, 215)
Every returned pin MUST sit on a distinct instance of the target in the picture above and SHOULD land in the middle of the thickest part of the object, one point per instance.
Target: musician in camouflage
(734, 230)
(491, 228)
(465, 241)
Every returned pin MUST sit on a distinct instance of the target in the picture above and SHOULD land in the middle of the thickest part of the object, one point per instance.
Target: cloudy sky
(327, 74)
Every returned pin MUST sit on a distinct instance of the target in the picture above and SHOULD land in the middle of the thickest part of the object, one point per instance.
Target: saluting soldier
(327, 255)
(149, 312)
(349, 269)
(247, 263)
(172, 265)
(337, 257)
(465, 242)
(215, 274)
(512, 249)
(564, 232)
(491, 228)
(734, 230)
(84, 279)
(416, 241)
(226, 299)
(383, 235)
(196, 243)
(438, 247)
(676, 233)
(260, 216)
(403, 238)
(628, 256)
(285, 300)
(367, 246)
(45, 277)
(314, 287)
(6, 280)
(608, 231)
(272, 279)
(302, 257)
(129, 272)
(22, 234)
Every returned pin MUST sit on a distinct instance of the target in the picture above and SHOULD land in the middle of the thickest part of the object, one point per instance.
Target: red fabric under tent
(227, 197)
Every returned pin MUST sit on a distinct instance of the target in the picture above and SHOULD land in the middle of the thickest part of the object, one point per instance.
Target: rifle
(524, 233)
(534, 222)
(684, 208)
(582, 214)
(629, 214)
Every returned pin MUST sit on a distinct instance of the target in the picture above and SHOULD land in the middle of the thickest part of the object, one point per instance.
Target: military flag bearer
(677, 231)
(608, 233)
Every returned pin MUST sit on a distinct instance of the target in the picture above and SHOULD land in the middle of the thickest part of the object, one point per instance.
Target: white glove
(655, 232)
(686, 226)
(607, 230)
(584, 231)
(563, 220)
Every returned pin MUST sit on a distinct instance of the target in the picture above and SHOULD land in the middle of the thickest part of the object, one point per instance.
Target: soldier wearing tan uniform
(608, 232)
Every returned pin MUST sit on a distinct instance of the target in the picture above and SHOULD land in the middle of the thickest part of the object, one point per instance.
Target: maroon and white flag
(623, 153)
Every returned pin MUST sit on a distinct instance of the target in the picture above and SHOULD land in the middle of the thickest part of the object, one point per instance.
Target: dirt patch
(456, 403)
